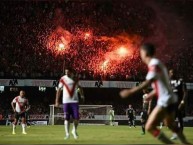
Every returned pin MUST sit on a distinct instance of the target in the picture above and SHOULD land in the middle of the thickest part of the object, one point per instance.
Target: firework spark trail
(83, 50)
(59, 40)
(94, 53)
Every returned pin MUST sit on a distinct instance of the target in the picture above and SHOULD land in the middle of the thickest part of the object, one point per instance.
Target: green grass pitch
(87, 135)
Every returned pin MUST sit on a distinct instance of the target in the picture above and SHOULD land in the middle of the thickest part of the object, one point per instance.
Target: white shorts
(166, 101)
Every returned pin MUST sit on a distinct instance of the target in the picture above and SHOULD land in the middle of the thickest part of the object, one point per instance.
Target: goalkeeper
(111, 116)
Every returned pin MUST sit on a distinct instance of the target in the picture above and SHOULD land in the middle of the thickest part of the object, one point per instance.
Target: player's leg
(7, 122)
(110, 121)
(16, 117)
(66, 120)
(142, 127)
(113, 120)
(170, 122)
(23, 123)
(27, 120)
(75, 115)
(14, 125)
(134, 122)
(180, 119)
(179, 116)
(154, 119)
(174, 135)
(161, 124)
(130, 121)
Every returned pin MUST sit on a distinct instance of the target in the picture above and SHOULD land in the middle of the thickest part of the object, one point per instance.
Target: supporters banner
(42, 83)
(38, 117)
(54, 83)
(83, 83)
(39, 122)
(12, 82)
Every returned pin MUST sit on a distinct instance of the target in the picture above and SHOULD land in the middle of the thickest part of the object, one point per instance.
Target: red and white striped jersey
(21, 103)
(161, 83)
(70, 88)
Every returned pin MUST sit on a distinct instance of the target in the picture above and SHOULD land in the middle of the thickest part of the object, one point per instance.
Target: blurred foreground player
(145, 111)
(69, 84)
(130, 113)
(166, 99)
(20, 106)
(179, 88)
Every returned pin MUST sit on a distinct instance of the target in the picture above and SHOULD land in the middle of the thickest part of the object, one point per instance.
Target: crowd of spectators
(26, 27)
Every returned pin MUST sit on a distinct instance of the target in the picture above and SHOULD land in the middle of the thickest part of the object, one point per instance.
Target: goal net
(89, 114)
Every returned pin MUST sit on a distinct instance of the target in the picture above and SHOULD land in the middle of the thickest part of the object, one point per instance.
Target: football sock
(143, 128)
(161, 124)
(134, 123)
(67, 127)
(14, 126)
(23, 127)
(75, 125)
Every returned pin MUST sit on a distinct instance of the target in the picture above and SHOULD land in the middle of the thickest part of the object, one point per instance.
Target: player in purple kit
(69, 84)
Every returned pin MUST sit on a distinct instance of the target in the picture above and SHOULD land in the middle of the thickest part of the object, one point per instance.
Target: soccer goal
(89, 114)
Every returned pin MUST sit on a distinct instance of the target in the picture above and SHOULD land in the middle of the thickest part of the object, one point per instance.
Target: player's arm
(27, 106)
(151, 77)
(184, 89)
(126, 112)
(58, 94)
(81, 92)
(128, 92)
(150, 96)
(149, 107)
(12, 105)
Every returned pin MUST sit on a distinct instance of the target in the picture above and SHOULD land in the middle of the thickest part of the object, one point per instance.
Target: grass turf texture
(87, 135)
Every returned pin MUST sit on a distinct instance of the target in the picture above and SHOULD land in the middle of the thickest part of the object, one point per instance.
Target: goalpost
(89, 114)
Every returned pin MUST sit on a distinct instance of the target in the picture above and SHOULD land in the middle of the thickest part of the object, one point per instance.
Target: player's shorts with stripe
(71, 109)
